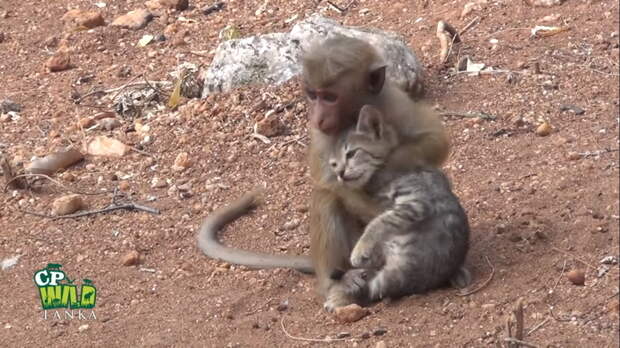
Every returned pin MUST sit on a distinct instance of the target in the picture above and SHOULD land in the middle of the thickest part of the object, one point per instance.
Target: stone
(82, 18)
(109, 123)
(104, 146)
(60, 61)
(178, 5)
(269, 126)
(136, 19)
(350, 313)
(543, 129)
(131, 258)
(275, 58)
(181, 162)
(67, 205)
(7, 105)
(577, 277)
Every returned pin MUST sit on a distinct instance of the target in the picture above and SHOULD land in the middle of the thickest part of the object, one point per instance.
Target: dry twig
(574, 257)
(559, 277)
(55, 182)
(112, 207)
(307, 339)
(483, 285)
(517, 342)
(481, 115)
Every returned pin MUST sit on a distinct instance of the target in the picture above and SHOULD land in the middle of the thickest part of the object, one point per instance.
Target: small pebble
(573, 156)
(131, 258)
(67, 205)
(576, 276)
(379, 332)
(543, 129)
(350, 313)
(381, 344)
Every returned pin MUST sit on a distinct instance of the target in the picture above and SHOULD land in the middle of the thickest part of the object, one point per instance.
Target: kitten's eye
(350, 154)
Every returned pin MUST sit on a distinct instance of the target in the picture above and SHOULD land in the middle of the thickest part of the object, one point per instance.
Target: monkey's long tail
(209, 243)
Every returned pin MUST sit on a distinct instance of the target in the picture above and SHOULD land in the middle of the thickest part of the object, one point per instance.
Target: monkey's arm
(423, 140)
(212, 247)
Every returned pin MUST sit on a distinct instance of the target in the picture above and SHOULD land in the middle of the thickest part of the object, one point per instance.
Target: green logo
(56, 290)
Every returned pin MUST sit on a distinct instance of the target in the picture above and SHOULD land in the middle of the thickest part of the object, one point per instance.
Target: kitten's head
(364, 148)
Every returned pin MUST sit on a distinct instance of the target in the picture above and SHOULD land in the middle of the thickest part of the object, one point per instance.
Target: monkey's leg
(333, 232)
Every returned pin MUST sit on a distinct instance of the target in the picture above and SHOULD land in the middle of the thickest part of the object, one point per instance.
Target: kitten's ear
(370, 122)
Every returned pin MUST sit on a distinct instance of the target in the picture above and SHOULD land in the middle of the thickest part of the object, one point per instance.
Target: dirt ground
(539, 206)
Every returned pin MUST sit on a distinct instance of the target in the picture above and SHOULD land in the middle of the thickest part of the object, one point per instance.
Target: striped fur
(421, 239)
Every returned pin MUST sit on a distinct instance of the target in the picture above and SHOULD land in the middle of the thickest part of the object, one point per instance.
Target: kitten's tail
(461, 279)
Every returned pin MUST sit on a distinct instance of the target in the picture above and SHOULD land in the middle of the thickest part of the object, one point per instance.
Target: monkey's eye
(333, 164)
(311, 94)
(350, 154)
(330, 97)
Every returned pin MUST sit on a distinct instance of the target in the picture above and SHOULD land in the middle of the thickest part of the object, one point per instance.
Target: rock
(544, 3)
(104, 146)
(515, 237)
(282, 306)
(350, 313)
(178, 5)
(158, 183)
(291, 224)
(381, 344)
(82, 18)
(342, 335)
(269, 126)
(275, 58)
(67, 205)
(109, 123)
(124, 186)
(572, 108)
(573, 156)
(181, 162)
(86, 122)
(5, 118)
(379, 332)
(131, 258)
(60, 61)
(543, 129)
(7, 105)
(609, 260)
(83, 328)
(576, 276)
(136, 19)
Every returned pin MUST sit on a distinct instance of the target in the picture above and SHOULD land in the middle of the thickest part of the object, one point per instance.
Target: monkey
(339, 75)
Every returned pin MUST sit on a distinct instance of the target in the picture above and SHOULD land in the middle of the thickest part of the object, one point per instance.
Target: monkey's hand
(358, 203)
(355, 282)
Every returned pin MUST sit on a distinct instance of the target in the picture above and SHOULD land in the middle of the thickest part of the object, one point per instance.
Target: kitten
(421, 239)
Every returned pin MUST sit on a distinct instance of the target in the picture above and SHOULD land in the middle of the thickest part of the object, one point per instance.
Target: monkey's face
(329, 110)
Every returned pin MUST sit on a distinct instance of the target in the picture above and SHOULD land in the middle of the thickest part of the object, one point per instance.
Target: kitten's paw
(361, 256)
(355, 282)
(461, 279)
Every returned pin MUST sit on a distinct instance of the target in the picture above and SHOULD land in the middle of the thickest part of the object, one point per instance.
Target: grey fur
(421, 239)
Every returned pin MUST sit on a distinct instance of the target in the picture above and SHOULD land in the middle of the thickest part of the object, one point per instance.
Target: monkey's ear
(370, 122)
(376, 79)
